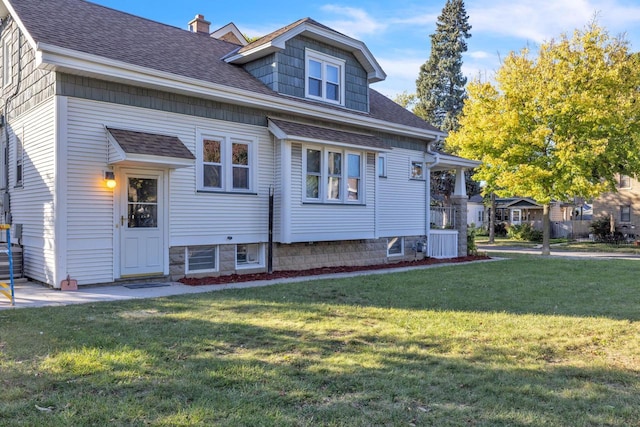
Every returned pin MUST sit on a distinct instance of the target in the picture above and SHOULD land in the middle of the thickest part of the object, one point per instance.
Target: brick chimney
(199, 25)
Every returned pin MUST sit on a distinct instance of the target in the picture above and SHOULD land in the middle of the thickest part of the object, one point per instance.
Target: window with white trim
(395, 246)
(624, 182)
(250, 255)
(416, 170)
(225, 162)
(7, 63)
(382, 165)
(333, 175)
(324, 77)
(201, 259)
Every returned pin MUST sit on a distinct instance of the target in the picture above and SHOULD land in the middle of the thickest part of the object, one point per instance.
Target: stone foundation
(304, 256)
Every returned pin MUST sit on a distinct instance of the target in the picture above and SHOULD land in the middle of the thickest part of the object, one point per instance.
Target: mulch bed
(237, 278)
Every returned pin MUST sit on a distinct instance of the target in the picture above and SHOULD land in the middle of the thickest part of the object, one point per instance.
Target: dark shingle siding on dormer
(288, 75)
(263, 70)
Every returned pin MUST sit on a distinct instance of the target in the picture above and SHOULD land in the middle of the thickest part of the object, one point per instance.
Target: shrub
(500, 229)
(601, 228)
(472, 249)
(525, 232)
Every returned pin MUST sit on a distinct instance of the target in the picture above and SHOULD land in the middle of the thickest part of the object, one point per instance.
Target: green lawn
(529, 341)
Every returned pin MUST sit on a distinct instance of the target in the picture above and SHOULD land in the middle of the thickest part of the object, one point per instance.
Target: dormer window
(325, 77)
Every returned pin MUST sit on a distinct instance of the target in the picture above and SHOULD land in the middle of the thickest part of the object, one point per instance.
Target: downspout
(6, 198)
(436, 156)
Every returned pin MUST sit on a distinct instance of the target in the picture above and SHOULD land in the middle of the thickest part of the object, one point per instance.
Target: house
(476, 211)
(623, 206)
(134, 149)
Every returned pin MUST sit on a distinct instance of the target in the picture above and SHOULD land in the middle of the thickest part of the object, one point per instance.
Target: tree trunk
(492, 219)
(546, 228)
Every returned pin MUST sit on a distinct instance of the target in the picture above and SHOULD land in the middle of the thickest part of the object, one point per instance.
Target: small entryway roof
(127, 146)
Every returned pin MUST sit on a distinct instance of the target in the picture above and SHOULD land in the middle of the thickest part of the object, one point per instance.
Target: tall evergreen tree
(441, 85)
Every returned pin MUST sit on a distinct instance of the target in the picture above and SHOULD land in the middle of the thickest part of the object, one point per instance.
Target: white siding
(277, 196)
(194, 217)
(327, 222)
(33, 204)
(401, 204)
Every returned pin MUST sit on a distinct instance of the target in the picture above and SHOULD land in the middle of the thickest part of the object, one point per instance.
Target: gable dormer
(309, 60)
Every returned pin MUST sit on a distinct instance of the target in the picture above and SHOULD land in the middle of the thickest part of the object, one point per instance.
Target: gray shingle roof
(151, 144)
(300, 130)
(97, 30)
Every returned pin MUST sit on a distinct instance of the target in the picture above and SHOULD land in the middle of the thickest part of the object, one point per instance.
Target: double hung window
(325, 77)
(225, 163)
(333, 176)
(625, 213)
(417, 169)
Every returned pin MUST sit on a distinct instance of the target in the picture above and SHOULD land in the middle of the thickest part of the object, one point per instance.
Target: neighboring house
(476, 211)
(193, 130)
(623, 206)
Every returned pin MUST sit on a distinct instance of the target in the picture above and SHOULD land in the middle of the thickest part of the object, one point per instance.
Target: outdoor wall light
(110, 179)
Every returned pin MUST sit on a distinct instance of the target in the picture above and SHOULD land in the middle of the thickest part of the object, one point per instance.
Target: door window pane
(142, 201)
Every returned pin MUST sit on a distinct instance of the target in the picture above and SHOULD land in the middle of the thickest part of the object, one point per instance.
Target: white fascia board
(229, 28)
(121, 155)
(61, 59)
(147, 159)
(257, 52)
(276, 131)
(447, 162)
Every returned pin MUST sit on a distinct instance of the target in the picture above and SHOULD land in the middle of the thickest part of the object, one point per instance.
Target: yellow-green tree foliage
(559, 125)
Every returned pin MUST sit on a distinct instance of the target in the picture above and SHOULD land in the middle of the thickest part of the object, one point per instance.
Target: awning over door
(128, 147)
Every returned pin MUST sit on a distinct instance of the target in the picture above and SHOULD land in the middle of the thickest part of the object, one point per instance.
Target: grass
(522, 342)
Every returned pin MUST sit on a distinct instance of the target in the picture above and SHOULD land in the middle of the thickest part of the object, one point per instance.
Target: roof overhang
(301, 132)
(446, 162)
(54, 58)
(375, 73)
(125, 150)
(229, 28)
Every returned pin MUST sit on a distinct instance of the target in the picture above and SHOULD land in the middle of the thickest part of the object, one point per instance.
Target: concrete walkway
(491, 249)
(30, 294)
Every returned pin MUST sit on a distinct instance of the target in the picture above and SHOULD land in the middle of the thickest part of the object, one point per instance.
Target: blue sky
(397, 32)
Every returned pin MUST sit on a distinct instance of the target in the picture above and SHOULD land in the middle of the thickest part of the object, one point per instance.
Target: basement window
(201, 259)
(395, 246)
(249, 256)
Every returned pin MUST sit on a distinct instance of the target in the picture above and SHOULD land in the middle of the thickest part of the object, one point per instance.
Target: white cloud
(479, 54)
(542, 20)
(353, 22)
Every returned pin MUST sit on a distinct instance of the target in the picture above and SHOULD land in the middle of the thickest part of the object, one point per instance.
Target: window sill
(320, 202)
(241, 193)
(249, 266)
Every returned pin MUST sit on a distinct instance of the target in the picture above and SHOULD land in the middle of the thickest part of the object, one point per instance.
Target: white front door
(516, 216)
(142, 223)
